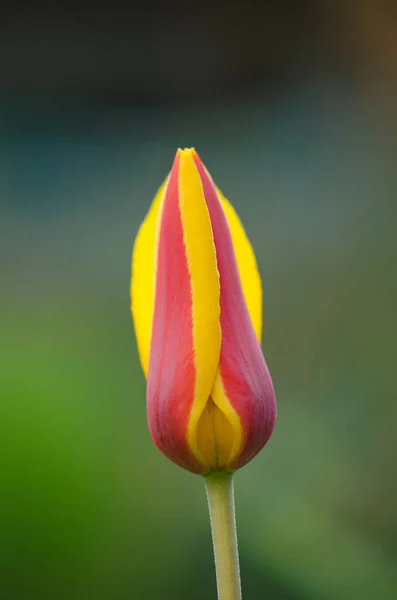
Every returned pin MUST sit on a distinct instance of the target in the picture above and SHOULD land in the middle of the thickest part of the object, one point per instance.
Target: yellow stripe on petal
(246, 265)
(202, 264)
(143, 278)
(233, 435)
(215, 436)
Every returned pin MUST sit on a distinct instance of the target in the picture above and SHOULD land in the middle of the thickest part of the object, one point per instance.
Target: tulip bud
(197, 309)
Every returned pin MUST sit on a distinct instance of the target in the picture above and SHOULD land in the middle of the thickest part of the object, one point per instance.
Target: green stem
(220, 496)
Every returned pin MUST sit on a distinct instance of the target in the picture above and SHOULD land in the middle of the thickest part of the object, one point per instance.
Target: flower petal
(143, 280)
(186, 335)
(243, 390)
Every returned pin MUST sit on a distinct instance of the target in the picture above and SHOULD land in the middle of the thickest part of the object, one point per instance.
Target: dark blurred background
(292, 106)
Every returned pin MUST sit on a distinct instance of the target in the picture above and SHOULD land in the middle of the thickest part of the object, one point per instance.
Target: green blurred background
(292, 106)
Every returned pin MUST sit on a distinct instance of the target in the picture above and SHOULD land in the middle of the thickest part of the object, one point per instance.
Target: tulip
(197, 309)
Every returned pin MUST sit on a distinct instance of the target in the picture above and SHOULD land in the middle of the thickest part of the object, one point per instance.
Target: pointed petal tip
(190, 152)
(177, 158)
(187, 156)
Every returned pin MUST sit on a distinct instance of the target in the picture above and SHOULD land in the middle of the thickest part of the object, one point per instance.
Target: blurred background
(292, 106)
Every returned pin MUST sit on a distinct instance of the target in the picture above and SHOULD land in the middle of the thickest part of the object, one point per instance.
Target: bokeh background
(292, 106)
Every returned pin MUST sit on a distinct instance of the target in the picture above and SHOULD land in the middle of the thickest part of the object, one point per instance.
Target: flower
(196, 302)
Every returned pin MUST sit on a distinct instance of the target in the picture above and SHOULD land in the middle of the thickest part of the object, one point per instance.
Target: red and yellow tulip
(197, 309)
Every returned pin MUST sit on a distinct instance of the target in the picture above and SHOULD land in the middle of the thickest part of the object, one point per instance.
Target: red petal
(171, 378)
(245, 376)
